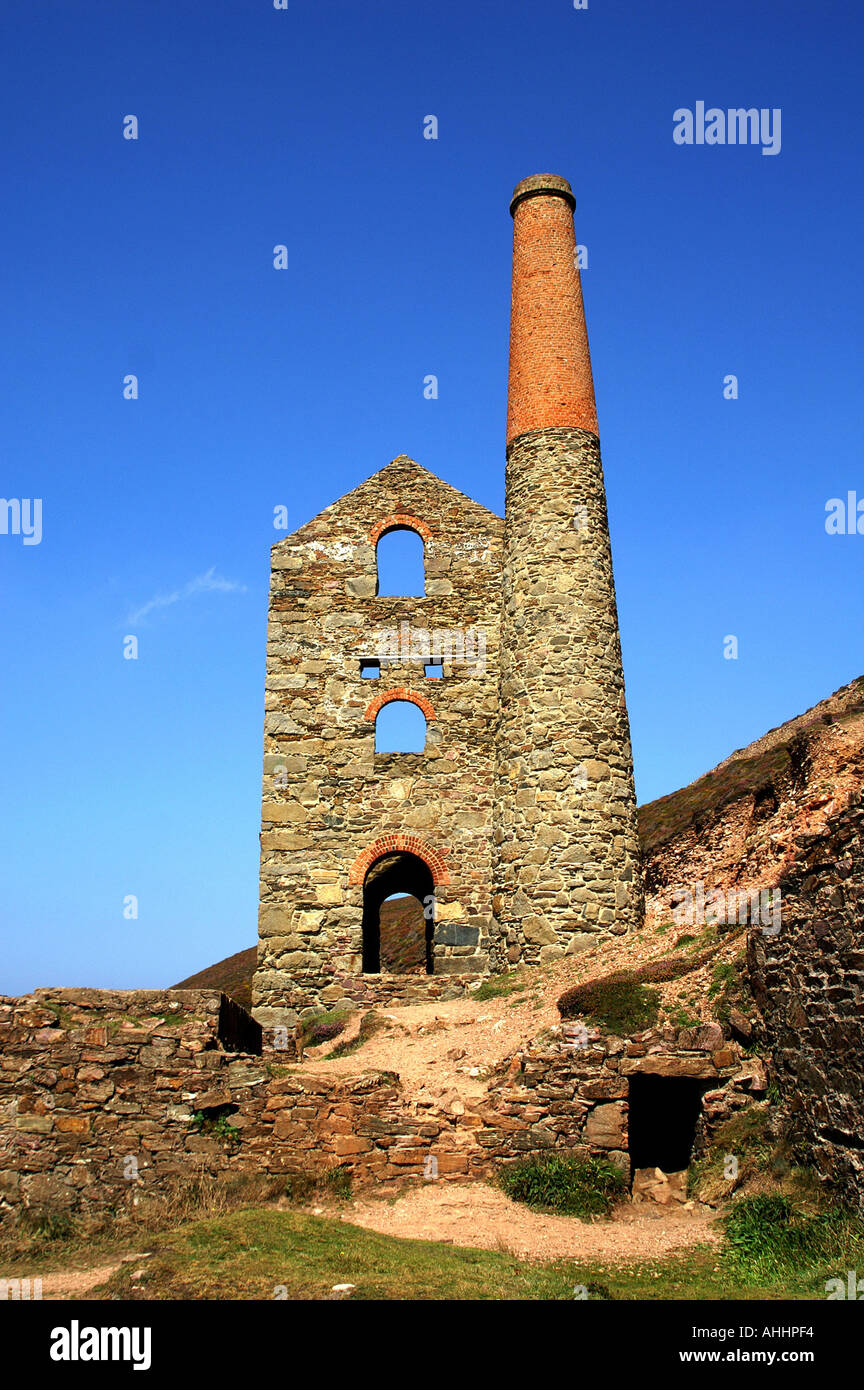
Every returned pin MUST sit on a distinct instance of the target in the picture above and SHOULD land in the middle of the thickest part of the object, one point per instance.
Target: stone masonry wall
(567, 851)
(808, 980)
(331, 805)
(92, 1078)
(108, 1096)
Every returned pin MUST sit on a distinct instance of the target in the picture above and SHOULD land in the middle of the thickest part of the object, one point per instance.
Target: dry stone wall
(808, 980)
(108, 1097)
(99, 1089)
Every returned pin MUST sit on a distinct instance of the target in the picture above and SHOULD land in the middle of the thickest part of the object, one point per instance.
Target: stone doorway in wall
(397, 936)
(664, 1113)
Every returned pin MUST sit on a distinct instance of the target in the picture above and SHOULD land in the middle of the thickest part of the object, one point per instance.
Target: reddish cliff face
(746, 823)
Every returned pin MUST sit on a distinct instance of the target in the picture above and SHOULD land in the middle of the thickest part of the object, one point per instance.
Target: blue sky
(260, 388)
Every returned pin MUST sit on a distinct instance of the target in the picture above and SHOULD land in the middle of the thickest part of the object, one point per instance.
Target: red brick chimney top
(550, 365)
(542, 183)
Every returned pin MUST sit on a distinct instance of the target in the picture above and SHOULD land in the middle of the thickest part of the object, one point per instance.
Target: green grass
(723, 975)
(618, 1004)
(498, 986)
(623, 1000)
(768, 1238)
(682, 1017)
(62, 1016)
(563, 1183)
(727, 988)
(249, 1253)
(324, 1026)
(217, 1126)
(370, 1024)
(304, 1185)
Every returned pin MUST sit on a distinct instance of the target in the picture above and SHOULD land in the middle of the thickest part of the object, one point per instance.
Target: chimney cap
(540, 184)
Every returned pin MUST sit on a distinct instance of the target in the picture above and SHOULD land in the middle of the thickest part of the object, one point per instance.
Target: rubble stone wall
(567, 851)
(808, 980)
(108, 1095)
(329, 801)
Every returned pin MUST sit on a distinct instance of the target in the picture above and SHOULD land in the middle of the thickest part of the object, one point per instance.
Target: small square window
(433, 672)
(370, 670)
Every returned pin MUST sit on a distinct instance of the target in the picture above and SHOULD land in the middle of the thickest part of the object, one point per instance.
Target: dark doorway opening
(664, 1113)
(398, 927)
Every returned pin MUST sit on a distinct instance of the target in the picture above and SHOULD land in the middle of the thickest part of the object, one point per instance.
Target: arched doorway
(397, 933)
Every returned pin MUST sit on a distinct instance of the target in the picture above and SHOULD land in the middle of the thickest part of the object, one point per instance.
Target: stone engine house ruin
(515, 827)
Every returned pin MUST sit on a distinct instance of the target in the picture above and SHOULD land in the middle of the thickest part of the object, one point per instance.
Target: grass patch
(216, 1125)
(324, 1027)
(748, 1158)
(254, 1253)
(267, 1254)
(43, 1226)
(620, 1003)
(768, 1239)
(619, 994)
(62, 1015)
(499, 986)
(53, 1237)
(562, 1183)
(370, 1024)
(742, 1137)
(302, 1186)
(727, 988)
(722, 976)
(682, 1017)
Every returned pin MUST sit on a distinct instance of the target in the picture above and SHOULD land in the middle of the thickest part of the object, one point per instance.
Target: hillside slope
(402, 946)
(233, 976)
(740, 826)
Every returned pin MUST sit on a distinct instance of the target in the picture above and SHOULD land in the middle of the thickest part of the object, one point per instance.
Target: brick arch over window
(398, 692)
(391, 844)
(395, 520)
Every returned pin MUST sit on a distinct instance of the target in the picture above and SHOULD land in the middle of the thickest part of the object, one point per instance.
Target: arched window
(400, 564)
(400, 727)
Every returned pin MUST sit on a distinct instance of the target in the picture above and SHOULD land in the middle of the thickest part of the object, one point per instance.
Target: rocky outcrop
(741, 827)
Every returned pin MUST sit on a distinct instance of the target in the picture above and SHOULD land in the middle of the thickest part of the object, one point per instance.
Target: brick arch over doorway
(390, 844)
(398, 692)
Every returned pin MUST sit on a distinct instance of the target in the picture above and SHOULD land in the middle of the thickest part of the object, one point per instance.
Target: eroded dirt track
(478, 1215)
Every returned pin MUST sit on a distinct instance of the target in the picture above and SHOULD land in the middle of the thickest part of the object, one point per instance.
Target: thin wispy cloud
(208, 583)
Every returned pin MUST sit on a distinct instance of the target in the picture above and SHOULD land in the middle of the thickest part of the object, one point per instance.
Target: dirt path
(477, 1215)
(444, 1051)
(61, 1284)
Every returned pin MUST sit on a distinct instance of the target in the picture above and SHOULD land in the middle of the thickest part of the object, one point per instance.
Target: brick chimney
(567, 851)
(550, 365)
